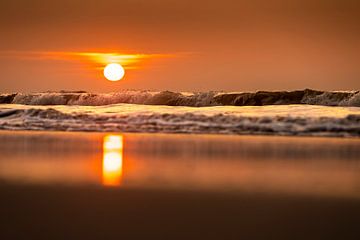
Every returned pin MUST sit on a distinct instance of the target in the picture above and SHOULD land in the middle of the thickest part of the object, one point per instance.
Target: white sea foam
(275, 119)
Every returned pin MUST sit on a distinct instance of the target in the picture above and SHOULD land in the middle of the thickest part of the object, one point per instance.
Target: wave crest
(200, 99)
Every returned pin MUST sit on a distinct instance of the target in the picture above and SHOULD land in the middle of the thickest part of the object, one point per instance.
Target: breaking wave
(301, 120)
(201, 99)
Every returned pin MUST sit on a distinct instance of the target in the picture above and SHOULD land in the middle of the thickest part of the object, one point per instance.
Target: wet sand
(97, 186)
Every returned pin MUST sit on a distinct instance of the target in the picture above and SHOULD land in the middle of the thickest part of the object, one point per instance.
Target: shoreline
(218, 163)
(220, 135)
(71, 185)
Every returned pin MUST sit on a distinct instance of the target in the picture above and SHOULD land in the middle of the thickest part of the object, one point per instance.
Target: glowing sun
(114, 72)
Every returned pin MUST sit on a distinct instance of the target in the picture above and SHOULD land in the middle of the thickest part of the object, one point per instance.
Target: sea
(300, 113)
(180, 165)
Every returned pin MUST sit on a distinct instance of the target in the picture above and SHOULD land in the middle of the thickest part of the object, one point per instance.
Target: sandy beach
(58, 185)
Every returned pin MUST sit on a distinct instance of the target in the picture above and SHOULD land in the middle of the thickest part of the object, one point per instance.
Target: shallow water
(327, 167)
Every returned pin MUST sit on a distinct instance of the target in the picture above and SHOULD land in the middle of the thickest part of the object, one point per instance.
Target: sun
(114, 72)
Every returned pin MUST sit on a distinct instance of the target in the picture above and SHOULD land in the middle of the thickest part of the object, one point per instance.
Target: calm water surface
(291, 165)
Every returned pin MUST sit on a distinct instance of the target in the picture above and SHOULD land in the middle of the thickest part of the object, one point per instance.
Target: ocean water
(306, 112)
(300, 166)
(191, 99)
(104, 179)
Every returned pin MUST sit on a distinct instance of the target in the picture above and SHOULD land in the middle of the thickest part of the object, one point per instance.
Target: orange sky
(232, 45)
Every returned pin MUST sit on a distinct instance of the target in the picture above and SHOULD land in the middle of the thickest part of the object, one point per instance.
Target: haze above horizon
(230, 45)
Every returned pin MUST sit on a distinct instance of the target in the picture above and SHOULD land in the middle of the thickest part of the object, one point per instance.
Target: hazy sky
(204, 45)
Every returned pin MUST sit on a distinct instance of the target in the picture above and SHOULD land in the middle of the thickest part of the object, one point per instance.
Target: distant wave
(200, 99)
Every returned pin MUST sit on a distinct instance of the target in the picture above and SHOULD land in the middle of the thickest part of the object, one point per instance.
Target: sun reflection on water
(112, 166)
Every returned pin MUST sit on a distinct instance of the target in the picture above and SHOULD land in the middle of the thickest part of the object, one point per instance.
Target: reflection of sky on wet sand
(315, 166)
